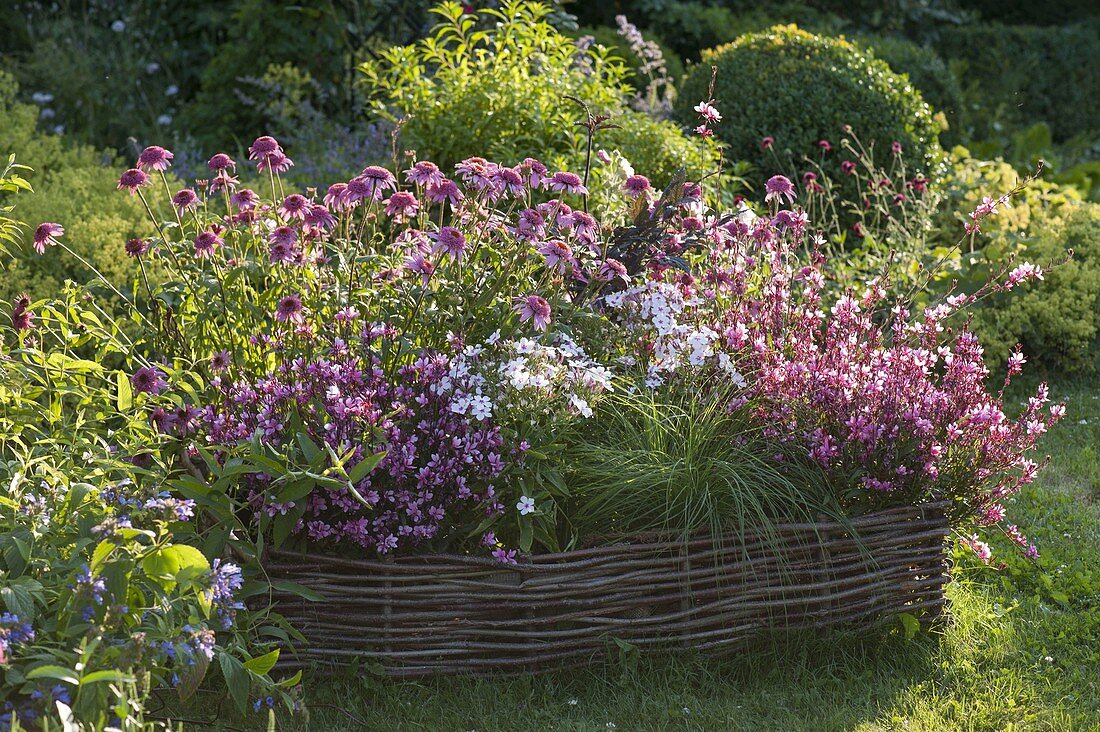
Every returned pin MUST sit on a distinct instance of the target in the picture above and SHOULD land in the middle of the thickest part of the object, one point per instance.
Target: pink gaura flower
(154, 157)
(708, 112)
(533, 308)
(46, 234)
(132, 179)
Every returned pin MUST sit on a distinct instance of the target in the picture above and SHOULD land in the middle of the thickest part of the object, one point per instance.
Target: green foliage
(800, 88)
(93, 555)
(499, 93)
(692, 27)
(73, 184)
(611, 39)
(1056, 320)
(1014, 76)
(927, 72)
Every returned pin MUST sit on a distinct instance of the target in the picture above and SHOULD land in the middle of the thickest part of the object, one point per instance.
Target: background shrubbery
(799, 88)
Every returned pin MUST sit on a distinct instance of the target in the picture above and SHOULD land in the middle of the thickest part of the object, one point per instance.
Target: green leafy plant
(501, 93)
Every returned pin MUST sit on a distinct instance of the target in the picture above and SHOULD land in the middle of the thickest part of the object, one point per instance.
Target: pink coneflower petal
(533, 308)
(221, 162)
(185, 200)
(154, 157)
(46, 234)
(289, 310)
(132, 179)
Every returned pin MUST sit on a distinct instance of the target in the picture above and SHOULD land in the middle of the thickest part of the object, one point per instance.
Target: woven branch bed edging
(437, 614)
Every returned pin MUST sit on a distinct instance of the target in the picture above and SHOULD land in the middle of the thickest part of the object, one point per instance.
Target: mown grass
(1020, 650)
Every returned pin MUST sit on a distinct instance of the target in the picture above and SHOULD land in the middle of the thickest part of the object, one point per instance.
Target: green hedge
(1019, 75)
(800, 88)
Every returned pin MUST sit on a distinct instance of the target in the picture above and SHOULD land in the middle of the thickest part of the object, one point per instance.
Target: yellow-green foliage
(499, 94)
(74, 185)
(1055, 320)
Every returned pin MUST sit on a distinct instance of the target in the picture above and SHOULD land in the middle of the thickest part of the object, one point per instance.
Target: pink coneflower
(708, 112)
(636, 185)
(704, 131)
(533, 308)
(476, 172)
(379, 180)
(612, 269)
(848, 167)
(155, 157)
(147, 380)
(447, 191)
(136, 247)
(450, 242)
(206, 242)
(402, 205)
(508, 180)
(895, 147)
(584, 226)
(21, 316)
(421, 266)
(221, 162)
(825, 145)
(900, 198)
(334, 197)
(264, 147)
(565, 182)
(223, 180)
(185, 200)
(284, 235)
(277, 162)
(220, 361)
(767, 142)
(244, 199)
(294, 206)
(534, 170)
(289, 310)
(132, 179)
(424, 173)
(319, 219)
(557, 253)
(46, 235)
(779, 187)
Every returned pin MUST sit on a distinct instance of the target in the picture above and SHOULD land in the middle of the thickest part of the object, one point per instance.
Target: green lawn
(1020, 650)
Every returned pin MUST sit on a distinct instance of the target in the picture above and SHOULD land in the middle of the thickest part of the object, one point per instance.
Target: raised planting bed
(439, 614)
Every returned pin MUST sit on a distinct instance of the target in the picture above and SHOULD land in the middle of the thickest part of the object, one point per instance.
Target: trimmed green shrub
(799, 88)
(1056, 320)
(928, 73)
(1014, 76)
(74, 184)
(500, 94)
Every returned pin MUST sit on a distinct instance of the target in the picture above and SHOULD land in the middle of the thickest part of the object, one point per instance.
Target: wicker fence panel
(423, 615)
